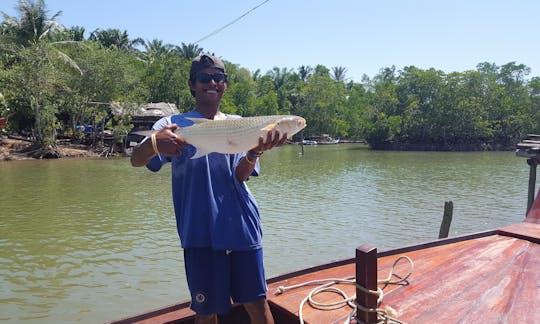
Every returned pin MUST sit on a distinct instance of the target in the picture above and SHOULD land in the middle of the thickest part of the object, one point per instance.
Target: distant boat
(328, 140)
(3, 122)
(309, 142)
(323, 139)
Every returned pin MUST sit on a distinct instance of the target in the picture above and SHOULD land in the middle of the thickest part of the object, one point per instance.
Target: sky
(362, 36)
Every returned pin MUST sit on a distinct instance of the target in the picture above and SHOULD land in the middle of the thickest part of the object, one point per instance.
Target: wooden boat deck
(484, 277)
(488, 277)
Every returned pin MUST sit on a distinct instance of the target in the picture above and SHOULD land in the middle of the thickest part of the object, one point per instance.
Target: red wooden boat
(486, 277)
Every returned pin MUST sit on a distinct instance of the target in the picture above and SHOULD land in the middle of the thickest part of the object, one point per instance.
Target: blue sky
(362, 36)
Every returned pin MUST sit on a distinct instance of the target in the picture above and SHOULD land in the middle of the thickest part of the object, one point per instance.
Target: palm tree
(280, 77)
(338, 73)
(189, 51)
(75, 33)
(32, 60)
(305, 72)
(155, 49)
(114, 38)
(33, 26)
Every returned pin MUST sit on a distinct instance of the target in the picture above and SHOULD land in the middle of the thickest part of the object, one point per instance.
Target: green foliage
(52, 78)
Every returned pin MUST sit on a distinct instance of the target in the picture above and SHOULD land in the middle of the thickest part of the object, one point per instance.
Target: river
(92, 240)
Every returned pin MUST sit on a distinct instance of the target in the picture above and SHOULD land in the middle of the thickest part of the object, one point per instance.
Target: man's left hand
(273, 139)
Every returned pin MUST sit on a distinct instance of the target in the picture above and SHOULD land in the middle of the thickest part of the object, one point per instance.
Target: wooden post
(366, 276)
(532, 182)
(447, 219)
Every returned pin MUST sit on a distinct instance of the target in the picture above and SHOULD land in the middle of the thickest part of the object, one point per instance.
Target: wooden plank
(451, 287)
(447, 219)
(162, 315)
(526, 231)
(447, 282)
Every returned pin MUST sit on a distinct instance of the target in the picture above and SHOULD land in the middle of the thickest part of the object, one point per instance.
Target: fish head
(290, 124)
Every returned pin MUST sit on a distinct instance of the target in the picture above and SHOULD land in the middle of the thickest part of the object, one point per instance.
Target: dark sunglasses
(207, 77)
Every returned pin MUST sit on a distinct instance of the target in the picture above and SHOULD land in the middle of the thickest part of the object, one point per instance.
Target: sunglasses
(207, 77)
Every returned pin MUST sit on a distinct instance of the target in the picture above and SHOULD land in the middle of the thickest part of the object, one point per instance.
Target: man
(217, 217)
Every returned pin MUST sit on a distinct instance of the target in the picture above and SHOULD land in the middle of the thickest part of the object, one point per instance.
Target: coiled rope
(386, 315)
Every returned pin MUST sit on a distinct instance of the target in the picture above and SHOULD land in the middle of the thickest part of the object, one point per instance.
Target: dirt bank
(15, 149)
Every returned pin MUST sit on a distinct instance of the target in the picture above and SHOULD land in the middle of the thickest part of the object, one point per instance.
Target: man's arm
(247, 164)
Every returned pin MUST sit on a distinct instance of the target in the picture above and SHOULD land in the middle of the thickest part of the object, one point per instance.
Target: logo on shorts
(200, 298)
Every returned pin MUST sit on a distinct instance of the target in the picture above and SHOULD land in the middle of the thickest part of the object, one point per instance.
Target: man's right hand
(167, 143)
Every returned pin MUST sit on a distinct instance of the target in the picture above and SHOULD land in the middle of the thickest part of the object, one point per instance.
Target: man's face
(208, 91)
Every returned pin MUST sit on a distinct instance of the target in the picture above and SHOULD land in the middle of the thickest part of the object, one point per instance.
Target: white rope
(325, 285)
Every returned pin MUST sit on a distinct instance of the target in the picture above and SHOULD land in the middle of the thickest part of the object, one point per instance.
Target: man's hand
(168, 142)
(273, 139)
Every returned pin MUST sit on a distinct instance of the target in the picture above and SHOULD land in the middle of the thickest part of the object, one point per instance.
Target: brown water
(94, 240)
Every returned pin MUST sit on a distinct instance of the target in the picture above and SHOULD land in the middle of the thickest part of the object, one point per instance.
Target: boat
(3, 122)
(309, 142)
(328, 140)
(323, 139)
(486, 277)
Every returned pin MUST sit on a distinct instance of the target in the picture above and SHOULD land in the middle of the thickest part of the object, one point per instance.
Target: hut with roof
(142, 118)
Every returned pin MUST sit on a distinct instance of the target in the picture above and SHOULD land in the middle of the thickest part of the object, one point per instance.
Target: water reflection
(94, 240)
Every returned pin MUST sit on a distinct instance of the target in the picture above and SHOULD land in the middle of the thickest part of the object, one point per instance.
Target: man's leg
(259, 312)
(207, 273)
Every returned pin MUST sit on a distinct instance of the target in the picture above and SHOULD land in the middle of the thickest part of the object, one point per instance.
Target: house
(143, 118)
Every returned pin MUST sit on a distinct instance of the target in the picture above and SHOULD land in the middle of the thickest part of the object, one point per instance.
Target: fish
(234, 135)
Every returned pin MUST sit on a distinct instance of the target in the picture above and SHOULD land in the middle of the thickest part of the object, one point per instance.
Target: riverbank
(13, 149)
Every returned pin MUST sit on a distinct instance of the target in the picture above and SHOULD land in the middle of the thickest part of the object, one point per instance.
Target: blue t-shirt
(213, 209)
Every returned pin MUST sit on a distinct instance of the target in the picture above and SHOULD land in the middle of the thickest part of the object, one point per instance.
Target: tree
(156, 50)
(305, 72)
(279, 76)
(109, 76)
(339, 73)
(34, 68)
(33, 25)
(114, 38)
(75, 33)
(189, 51)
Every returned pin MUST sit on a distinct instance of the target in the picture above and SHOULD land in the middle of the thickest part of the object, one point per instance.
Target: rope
(232, 22)
(386, 315)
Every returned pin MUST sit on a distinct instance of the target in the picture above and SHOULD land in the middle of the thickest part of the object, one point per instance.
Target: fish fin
(268, 127)
(199, 153)
(198, 120)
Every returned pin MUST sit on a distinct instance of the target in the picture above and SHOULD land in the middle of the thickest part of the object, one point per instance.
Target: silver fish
(234, 135)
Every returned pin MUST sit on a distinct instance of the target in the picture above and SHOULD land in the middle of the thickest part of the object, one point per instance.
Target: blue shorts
(216, 277)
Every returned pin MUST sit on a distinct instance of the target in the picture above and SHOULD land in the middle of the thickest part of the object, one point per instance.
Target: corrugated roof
(156, 109)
